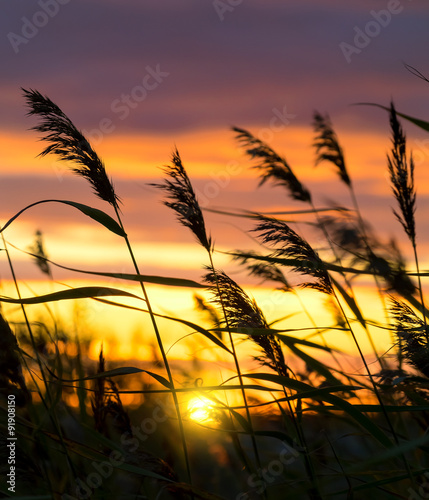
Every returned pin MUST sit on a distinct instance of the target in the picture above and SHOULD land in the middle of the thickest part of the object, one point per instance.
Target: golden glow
(201, 410)
(128, 334)
(206, 153)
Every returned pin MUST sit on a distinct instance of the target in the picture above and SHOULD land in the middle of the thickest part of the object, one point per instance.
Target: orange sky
(264, 68)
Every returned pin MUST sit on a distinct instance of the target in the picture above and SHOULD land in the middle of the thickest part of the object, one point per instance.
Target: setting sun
(201, 410)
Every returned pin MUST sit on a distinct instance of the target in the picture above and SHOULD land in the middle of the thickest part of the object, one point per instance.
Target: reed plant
(303, 427)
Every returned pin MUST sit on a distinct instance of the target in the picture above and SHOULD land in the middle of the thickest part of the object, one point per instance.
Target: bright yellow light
(201, 410)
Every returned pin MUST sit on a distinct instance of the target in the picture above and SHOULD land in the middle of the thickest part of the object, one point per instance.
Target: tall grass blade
(94, 213)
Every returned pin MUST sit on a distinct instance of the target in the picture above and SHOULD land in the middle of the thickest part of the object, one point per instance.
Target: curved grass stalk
(182, 199)
(69, 144)
(47, 407)
(275, 168)
(162, 351)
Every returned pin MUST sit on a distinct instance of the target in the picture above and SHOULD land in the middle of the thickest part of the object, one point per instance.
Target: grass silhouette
(302, 426)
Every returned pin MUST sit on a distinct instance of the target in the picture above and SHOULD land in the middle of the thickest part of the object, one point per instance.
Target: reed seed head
(183, 200)
(271, 165)
(69, 144)
(243, 312)
(413, 333)
(267, 271)
(11, 377)
(402, 177)
(39, 254)
(288, 244)
(328, 147)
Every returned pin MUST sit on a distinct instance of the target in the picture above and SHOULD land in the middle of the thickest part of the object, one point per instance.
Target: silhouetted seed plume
(391, 268)
(11, 378)
(268, 271)
(184, 201)
(69, 144)
(203, 306)
(402, 177)
(290, 245)
(328, 147)
(271, 165)
(398, 278)
(243, 312)
(38, 251)
(345, 233)
(332, 306)
(413, 334)
(105, 404)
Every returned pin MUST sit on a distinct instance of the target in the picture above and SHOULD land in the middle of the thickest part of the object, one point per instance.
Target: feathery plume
(242, 312)
(413, 334)
(11, 377)
(328, 147)
(402, 178)
(69, 144)
(345, 233)
(40, 256)
(391, 267)
(271, 165)
(184, 201)
(268, 271)
(105, 403)
(289, 244)
(203, 306)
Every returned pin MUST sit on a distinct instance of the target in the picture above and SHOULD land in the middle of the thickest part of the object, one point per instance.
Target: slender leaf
(196, 327)
(301, 387)
(351, 302)
(288, 340)
(124, 370)
(390, 453)
(314, 364)
(158, 280)
(95, 214)
(420, 123)
(74, 293)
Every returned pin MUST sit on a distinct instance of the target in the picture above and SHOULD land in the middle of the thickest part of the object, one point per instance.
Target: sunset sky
(140, 78)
